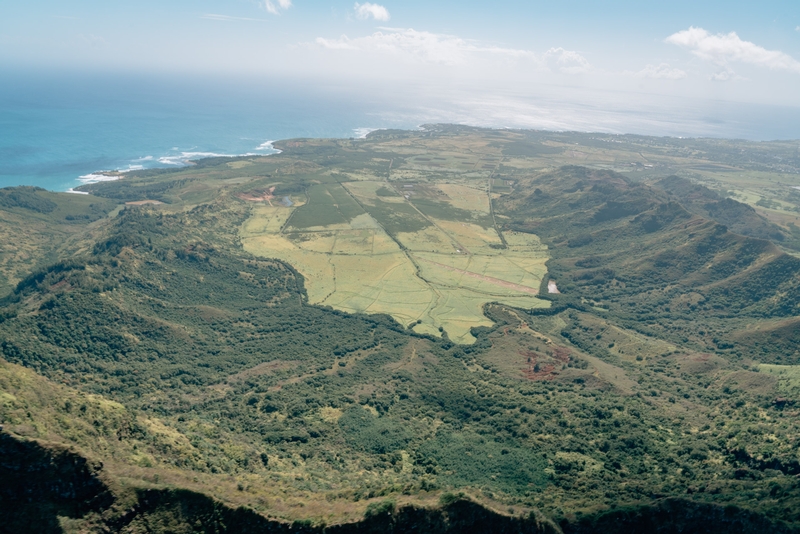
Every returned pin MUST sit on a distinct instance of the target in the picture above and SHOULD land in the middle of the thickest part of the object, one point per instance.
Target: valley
(554, 330)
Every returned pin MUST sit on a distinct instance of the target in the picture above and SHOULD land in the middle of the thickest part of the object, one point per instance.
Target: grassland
(38, 225)
(788, 378)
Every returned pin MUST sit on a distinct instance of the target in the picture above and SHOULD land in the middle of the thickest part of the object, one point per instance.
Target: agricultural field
(366, 247)
(425, 208)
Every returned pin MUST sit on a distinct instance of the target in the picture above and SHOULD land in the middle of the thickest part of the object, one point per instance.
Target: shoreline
(190, 157)
(185, 159)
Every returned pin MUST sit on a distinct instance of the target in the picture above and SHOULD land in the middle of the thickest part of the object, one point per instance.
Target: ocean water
(57, 129)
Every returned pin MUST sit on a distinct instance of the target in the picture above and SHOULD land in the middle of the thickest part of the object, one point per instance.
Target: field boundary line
(485, 278)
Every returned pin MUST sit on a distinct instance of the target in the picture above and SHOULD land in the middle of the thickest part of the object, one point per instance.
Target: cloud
(95, 41)
(227, 18)
(566, 61)
(662, 71)
(722, 76)
(275, 6)
(367, 10)
(422, 46)
(722, 49)
(725, 75)
(443, 49)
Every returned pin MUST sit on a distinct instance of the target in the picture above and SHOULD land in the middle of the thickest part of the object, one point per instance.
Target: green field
(328, 205)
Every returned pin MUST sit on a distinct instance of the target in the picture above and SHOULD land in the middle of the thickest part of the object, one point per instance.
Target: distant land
(58, 129)
(451, 329)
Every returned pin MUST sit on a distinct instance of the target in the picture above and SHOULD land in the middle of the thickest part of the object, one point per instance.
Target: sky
(621, 51)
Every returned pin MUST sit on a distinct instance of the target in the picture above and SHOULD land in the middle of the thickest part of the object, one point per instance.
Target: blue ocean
(57, 129)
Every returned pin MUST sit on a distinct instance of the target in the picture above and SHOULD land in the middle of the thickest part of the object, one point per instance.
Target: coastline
(185, 159)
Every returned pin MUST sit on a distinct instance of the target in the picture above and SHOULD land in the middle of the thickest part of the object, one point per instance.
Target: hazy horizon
(91, 86)
(717, 51)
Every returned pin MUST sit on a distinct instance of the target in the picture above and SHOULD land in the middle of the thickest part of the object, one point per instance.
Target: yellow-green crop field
(466, 198)
(471, 236)
(439, 274)
(266, 220)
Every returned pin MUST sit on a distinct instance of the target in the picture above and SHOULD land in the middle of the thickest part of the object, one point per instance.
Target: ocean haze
(57, 127)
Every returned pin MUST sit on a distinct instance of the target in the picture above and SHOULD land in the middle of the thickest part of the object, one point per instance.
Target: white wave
(185, 157)
(106, 176)
(362, 133)
(172, 160)
(93, 178)
(267, 145)
(70, 190)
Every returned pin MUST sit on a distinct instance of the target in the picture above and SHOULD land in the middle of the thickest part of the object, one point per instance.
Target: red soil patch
(258, 196)
(542, 367)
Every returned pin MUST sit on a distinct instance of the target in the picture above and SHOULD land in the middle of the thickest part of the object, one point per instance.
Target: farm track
(491, 206)
(455, 242)
(484, 278)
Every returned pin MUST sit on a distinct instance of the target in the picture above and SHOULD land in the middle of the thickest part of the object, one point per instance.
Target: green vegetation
(396, 218)
(327, 205)
(443, 210)
(27, 198)
(213, 353)
(788, 380)
(40, 227)
(656, 267)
